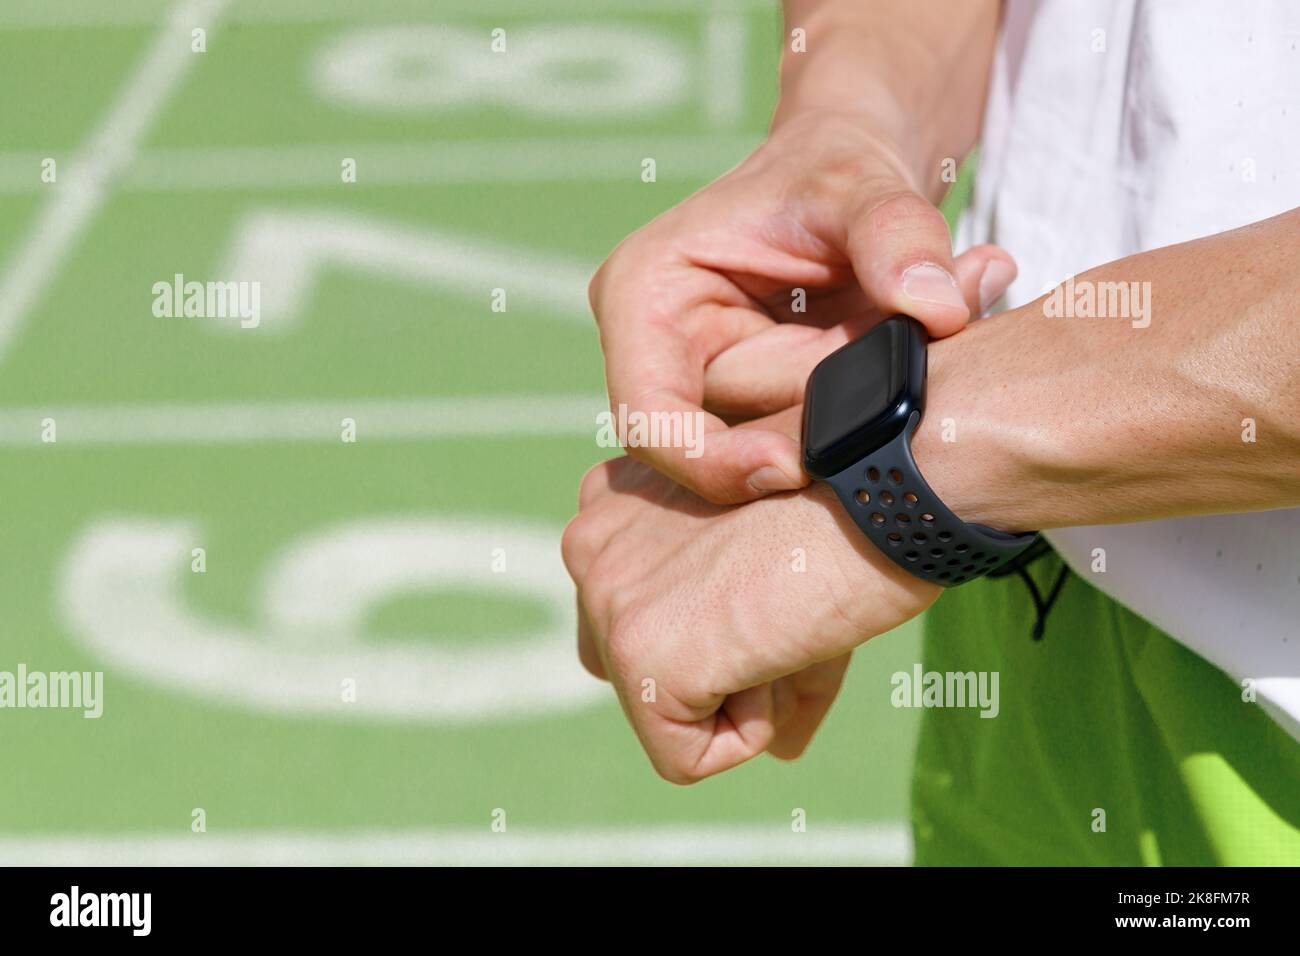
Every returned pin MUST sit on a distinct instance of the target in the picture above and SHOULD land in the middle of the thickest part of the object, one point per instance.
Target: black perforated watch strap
(887, 498)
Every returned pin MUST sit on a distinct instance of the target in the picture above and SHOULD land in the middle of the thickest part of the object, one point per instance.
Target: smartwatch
(862, 405)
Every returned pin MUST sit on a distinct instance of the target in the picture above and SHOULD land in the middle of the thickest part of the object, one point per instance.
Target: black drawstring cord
(1042, 607)
(1018, 564)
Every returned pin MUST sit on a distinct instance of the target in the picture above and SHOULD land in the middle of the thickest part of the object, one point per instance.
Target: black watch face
(860, 397)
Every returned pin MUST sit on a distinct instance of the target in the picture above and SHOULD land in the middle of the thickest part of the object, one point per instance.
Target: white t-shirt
(1118, 126)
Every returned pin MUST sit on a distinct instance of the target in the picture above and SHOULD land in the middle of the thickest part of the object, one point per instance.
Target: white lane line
(605, 159)
(305, 421)
(884, 844)
(44, 14)
(84, 185)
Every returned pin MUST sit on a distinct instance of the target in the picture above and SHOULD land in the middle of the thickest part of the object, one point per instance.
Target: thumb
(984, 273)
(767, 372)
(788, 422)
(901, 253)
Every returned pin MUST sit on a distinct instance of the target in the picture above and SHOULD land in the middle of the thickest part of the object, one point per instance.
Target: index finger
(657, 345)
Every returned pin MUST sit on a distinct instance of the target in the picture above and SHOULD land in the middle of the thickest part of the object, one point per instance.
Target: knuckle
(899, 211)
(622, 649)
(590, 660)
(594, 288)
(672, 764)
(577, 547)
(605, 596)
(676, 773)
(593, 481)
(607, 274)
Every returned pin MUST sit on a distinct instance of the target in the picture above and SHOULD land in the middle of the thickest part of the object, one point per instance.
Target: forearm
(1075, 421)
(915, 73)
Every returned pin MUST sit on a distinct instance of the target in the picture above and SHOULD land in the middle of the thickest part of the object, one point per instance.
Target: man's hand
(824, 217)
(725, 631)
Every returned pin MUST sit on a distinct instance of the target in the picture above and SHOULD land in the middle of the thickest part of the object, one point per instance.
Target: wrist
(860, 425)
(887, 70)
(841, 155)
(980, 445)
(839, 90)
(867, 129)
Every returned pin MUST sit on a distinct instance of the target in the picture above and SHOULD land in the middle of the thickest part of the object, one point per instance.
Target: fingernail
(930, 283)
(771, 478)
(997, 276)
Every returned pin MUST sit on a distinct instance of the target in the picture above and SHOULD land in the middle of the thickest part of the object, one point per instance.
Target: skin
(838, 202)
(745, 653)
(1091, 420)
(725, 629)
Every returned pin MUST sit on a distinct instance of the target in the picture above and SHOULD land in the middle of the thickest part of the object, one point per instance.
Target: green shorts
(1112, 743)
